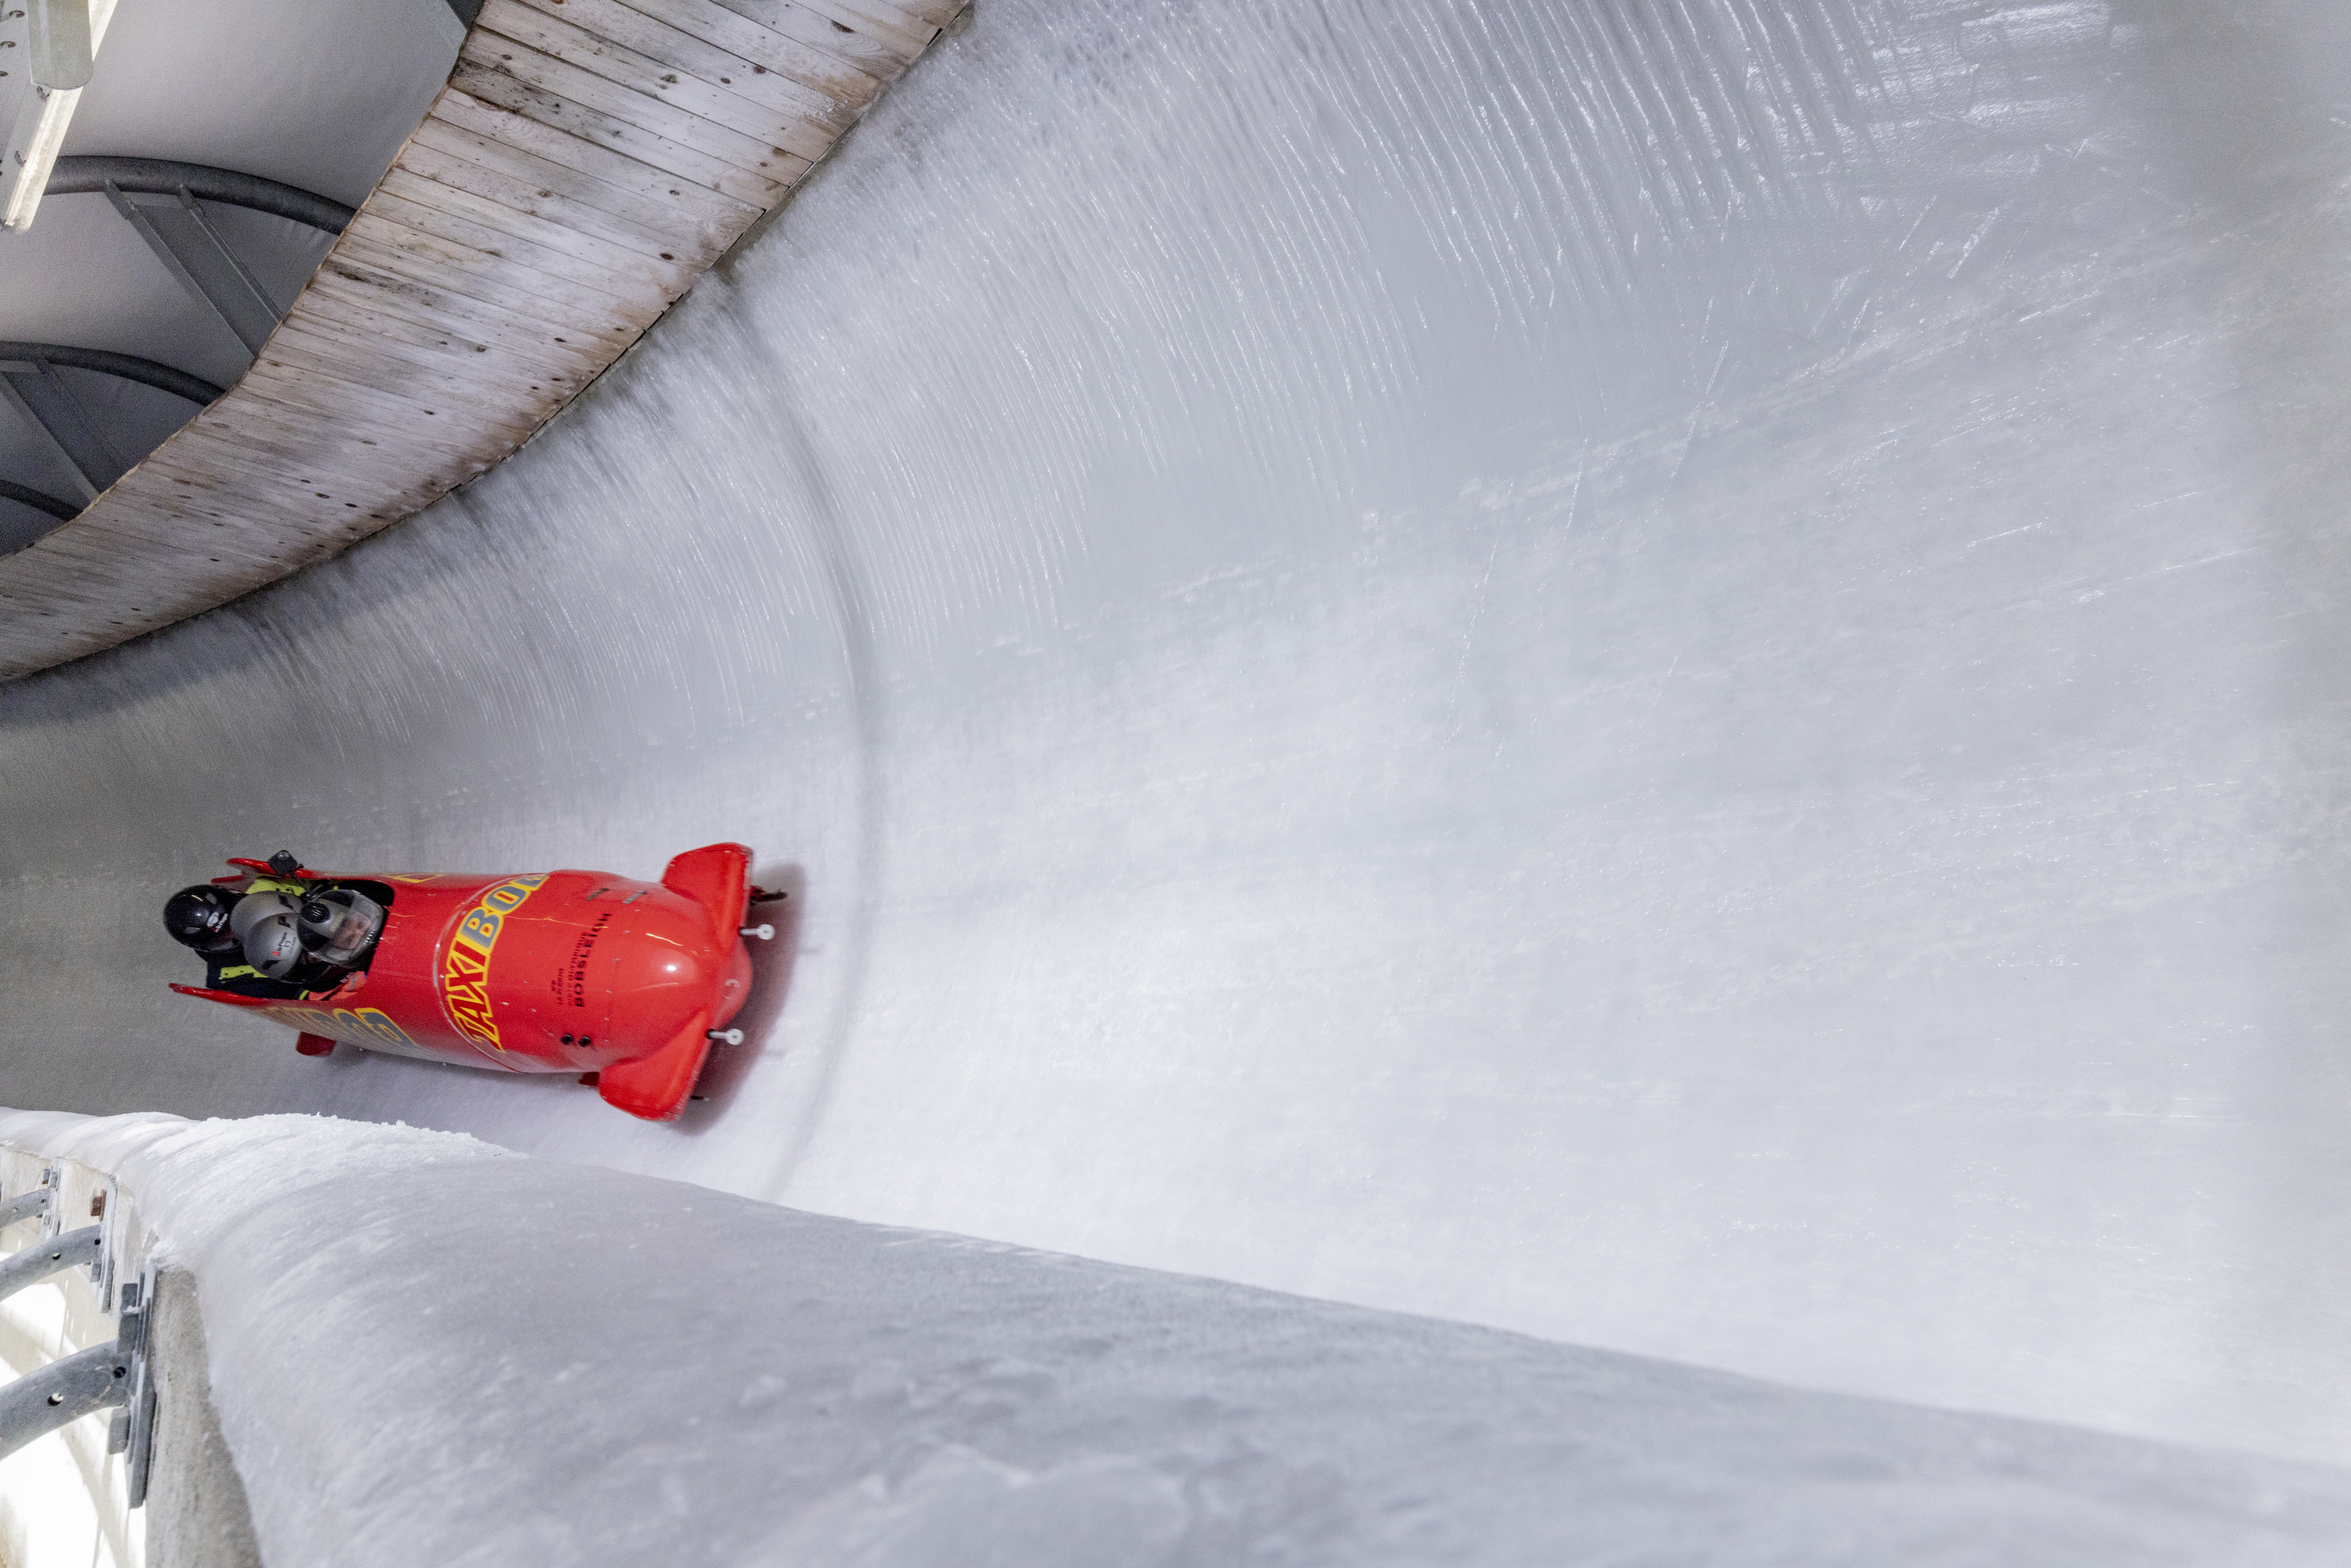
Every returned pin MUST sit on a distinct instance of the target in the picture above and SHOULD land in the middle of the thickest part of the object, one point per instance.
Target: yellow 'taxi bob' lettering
(465, 971)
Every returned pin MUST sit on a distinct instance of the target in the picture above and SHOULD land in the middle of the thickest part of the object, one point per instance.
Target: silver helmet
(267, 928)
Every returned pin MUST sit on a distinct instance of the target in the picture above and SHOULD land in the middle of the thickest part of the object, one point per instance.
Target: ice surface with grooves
(1663, 674)
(423, 1349)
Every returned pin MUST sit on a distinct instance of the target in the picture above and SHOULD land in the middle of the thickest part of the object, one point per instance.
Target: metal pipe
(27, 1205)
(62, 1392)
(36, 1263)
(128, 366)
(38, 500)
(163, 177)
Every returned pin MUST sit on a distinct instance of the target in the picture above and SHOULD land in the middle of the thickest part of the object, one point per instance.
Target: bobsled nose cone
(668, 969)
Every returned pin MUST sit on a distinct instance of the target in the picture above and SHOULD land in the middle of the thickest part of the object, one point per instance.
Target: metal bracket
(73, 1250)
(102, 1271)
(34, 389)
(185, 241)
(133, 1336)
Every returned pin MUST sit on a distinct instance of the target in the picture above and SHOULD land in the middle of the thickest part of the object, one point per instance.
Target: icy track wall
(1668, 674)
(421, 1349)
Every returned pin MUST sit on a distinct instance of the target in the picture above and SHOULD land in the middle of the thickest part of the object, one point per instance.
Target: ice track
(1667, 674)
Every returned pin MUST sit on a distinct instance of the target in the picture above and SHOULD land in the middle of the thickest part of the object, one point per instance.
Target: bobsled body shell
(542, 972)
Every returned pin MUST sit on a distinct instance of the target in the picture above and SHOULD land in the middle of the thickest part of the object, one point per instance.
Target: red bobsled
(543, 972)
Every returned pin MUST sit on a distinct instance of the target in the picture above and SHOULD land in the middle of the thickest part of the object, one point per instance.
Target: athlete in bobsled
(277, 935)
(544, 972)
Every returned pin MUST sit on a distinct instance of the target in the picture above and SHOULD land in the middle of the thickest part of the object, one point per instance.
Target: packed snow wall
(1665, 672)
(362, 1359)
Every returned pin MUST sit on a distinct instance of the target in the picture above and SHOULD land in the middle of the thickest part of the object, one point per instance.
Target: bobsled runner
(542, 972)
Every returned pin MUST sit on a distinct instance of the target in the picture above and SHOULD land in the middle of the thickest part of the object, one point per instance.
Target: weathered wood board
(586, 162)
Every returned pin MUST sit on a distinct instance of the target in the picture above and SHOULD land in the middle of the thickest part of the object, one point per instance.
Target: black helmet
(199, 918)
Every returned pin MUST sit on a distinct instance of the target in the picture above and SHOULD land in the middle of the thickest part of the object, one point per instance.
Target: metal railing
(112, 1376)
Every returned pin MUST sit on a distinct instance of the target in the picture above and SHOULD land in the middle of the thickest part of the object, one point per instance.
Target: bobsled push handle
(717, 877)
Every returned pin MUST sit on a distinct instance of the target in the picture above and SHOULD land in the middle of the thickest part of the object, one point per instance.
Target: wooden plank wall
(586, 162)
